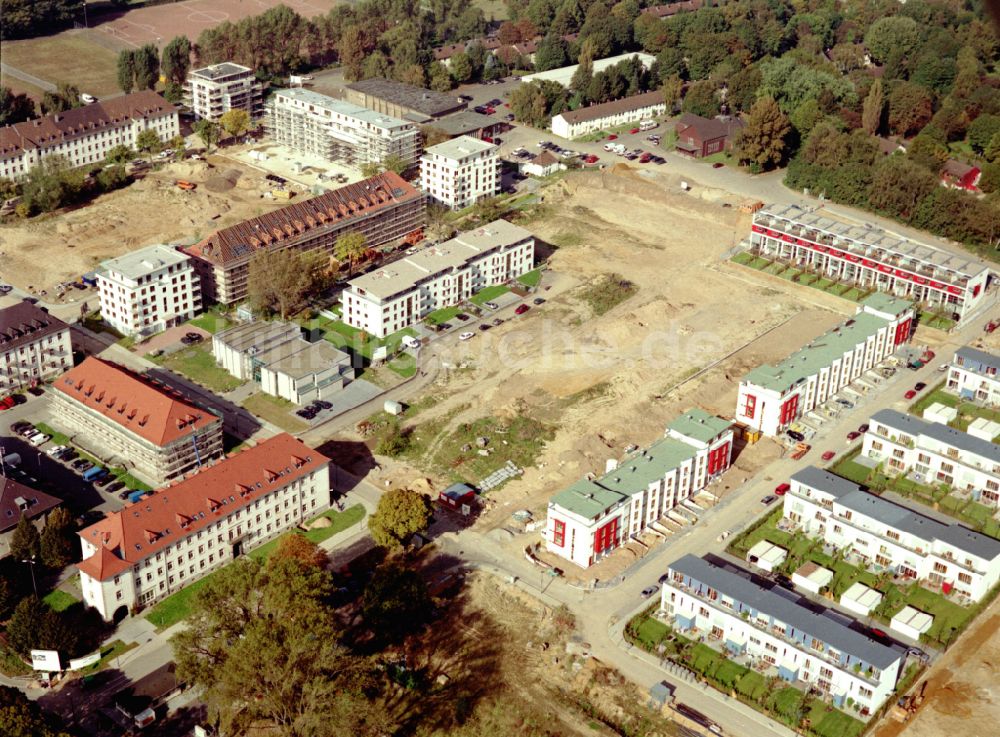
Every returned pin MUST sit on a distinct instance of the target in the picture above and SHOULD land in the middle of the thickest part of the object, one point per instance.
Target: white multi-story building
(181, 533)
(212, 91)
(593, 517)
(149, 290)
(339, 131)
(870, 258)
(584, 120)
(889, 536)
(34, 346)
(400, 294)
(130, 420)
(281, 361)
(772, 397)
(778, 630)
(460, 172)
(972, 374)
(85, 135)
(934, 454)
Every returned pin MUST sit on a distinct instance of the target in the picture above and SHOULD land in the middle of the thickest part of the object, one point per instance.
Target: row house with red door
(596, 515)
(870, 258)
(772, 397)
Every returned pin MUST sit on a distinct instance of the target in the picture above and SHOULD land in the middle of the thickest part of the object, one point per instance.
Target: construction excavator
(907, 705)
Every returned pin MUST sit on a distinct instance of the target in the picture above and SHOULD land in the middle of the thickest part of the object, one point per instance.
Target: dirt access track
(604, 382)
(41, 252)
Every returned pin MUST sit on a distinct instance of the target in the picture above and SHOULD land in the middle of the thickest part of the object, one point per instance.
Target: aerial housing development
(212, 91)
(34, 346)
(772, 397)
(460, 172)
(973, 375)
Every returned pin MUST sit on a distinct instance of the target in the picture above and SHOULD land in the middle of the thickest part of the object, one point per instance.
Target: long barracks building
(871, 258)
(383, 208)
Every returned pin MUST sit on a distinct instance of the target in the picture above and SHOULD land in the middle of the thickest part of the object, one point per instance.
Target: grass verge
(198, 364)
(275, 410)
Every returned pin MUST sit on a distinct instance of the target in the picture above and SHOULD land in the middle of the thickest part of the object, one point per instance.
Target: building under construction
(383, 208)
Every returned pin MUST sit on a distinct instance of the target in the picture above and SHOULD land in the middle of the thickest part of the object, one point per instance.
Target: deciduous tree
(148, 141)
(895, 33)
(57, 540)
(400, 513)
(281, 280)
(982, 130)
(235, 122)
(21, 717)
(910, 108)
(147, 67)
(66, 97)
(120, 154)
(395, 602)
(175, 59)
(701, 100)
(762, 142)
(126, 70)
(350, 247)
(297, 547)
(15, 108)
(208, 132)
(874, 109)
(25, 543)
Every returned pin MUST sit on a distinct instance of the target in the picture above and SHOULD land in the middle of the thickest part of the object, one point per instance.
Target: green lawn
(488, 294)
(212, 321)
(108, 654)
(198, 364)
(275, 410)
(935, 320)
(828, 722)
(129, 480)
(967, 411)
(743, 258)
(58, 600)
(177, 607)
(58, 438)
(531, 279)
(405, 365)
(443, 315)
(651, 632)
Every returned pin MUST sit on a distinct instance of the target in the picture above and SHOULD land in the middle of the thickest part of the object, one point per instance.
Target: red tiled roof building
(180, 533)
(131, 420)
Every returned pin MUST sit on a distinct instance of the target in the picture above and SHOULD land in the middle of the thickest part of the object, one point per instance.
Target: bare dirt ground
(963, 688)
(44, 251)
(606, 382)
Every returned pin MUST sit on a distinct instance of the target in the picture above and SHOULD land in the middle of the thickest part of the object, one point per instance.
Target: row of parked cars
(310, 411)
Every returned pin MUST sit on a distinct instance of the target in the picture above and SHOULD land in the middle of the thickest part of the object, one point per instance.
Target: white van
(410, 342)
(647, 125)
(87, 99)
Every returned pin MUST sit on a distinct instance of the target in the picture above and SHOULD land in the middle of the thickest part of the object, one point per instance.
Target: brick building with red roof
(131, 420)
(383, 208)
(176, 535)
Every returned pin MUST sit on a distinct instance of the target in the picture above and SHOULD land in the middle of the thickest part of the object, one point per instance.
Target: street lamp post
(31, 565)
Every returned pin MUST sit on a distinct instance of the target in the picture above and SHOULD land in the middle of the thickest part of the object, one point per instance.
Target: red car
(590, 159)
(853, 436)
(521, 309)
(780, 489)
(828, 456)
(863, 428)
(612, 137)
(644, 159)
(7, 403)
(910, 394)
(634, 131)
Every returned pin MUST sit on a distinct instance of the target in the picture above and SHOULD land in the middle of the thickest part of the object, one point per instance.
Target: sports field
(70, 56)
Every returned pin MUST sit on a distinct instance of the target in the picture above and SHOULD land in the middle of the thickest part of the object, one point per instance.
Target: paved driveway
(170, 339)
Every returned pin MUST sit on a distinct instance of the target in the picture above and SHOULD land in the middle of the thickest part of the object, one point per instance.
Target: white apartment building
(217, 89)
(870, 258)
(281, 361)
(34, 347)
(584, 120)
(85, 135)
(401, 293)
(595, 516)
(460, 172)
(149, 290)
(789, 637)
(947, 557)
(174, 536)
(973, 375)
(335, 130)
(772, 397)
(932, 453)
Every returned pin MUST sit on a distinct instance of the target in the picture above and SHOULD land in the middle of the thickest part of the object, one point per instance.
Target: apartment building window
(703, 611)
(924, 458)
(825, 672)
(965, 578)
(770, 648)
(940, 568)
(876, 445)
(947, 467)
(892, 534)
(865, 692)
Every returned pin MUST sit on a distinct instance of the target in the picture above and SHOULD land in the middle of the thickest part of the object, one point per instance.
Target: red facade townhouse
(700, 137)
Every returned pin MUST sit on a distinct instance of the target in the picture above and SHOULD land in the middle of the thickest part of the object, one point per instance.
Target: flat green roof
(886, 303)
(587, 499)
(699, 424)
(822, 352)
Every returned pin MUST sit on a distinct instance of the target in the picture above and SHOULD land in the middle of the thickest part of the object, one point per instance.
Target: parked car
(114, 487)
(943, 367)
(36, 391)
(910, 394)
(322, 403)
(56, 451)
(82, 469)
(845, 403)
(634, 131)
(863, 428)
(612, 137)
(26, 429)
(484, 327)
(782, 489)
(21, 425)
(828, 455)
(192, 338)
(123, 495)
(920, 386)
(768, 499)
(39, 438)
(649, 591)
(538, 300)
(718, 165)
(795, 435)
(497, 321)
(461, 316)
(103, 481)
(6, 289)
(521, 309)
(491, 305)
(68, 455)
(7, 403)
(467, 335)
(590, 159)
(80, 463)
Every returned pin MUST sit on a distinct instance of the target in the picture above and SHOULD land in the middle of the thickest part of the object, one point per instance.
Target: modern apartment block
(460, 172)
(85, 135)
(401, 293)
(888, 536)
(384, 209)
(217, 89)
(934, 454)
(282, 362)
(335, 130)
(130, 420)
(789, 637)
(178, 534)
(870, 258)
(972, 375)
(149, 290)
(595, 516)
(772, 397)
(34, 346)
